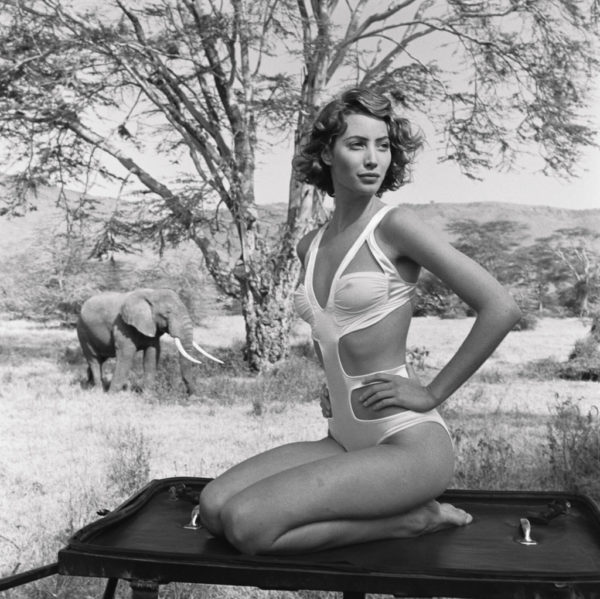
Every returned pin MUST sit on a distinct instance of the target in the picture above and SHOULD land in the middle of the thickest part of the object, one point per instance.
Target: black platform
(145, 542)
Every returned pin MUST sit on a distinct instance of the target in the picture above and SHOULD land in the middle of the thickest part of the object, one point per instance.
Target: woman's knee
(212, 500)
(244, 528)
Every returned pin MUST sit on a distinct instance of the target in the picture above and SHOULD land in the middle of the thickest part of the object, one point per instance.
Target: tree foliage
(576, 266)
(565, 263)
(490, 243)
(88, 95)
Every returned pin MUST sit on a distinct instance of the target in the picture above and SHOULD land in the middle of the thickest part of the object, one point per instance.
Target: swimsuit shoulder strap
(378, 253)
(364, 235)
(376, 219)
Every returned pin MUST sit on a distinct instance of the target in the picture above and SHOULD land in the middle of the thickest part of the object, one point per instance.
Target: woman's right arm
(496, 311)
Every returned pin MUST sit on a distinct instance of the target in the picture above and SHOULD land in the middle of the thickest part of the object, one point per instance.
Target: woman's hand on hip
(383, 390)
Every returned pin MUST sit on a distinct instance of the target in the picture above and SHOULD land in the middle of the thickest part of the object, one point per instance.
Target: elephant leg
(122, 368)
(187, 374)
(151, 357)
(94, 372)
(103, 382)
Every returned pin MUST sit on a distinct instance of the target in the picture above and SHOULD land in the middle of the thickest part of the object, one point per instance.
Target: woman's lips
(369, 178)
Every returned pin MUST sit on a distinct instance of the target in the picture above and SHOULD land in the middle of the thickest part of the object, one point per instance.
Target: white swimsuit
(356, 300)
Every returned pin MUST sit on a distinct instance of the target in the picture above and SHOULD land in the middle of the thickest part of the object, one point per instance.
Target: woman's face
(360, 157)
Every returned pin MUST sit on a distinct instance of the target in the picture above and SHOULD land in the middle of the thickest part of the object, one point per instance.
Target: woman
(388, 453)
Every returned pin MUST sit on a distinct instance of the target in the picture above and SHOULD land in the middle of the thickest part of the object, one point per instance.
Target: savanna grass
(573, 448)
(129, 466)
(68, 452)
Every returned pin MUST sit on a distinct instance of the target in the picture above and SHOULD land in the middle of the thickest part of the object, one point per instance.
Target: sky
(434, 182)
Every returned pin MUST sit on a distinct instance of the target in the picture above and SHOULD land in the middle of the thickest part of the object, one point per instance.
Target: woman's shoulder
(408, 234)
(403, 220)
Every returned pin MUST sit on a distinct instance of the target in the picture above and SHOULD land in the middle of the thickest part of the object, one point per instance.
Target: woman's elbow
(511, 312)
(502, 309)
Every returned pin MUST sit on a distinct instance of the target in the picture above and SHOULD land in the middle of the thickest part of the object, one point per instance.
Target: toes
(432, 517)
(454, 516)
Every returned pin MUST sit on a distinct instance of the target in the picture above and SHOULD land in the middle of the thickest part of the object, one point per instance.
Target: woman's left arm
(496, 310)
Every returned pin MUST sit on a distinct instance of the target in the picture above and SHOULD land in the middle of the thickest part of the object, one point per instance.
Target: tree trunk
(268, 309)
(268, 279)
(268, 325)
(268, 285)
(584, 305)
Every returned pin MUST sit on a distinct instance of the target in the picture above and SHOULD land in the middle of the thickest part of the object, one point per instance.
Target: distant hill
(540, 221)
(17, 233)
(39, 223)
(27, 244)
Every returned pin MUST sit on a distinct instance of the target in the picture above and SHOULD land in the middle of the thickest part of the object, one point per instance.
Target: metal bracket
(526, 530)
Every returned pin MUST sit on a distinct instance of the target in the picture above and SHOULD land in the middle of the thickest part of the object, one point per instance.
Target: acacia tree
(576, 266)
(203, 81)
(490, 243)
(533, 271)
(566, 261)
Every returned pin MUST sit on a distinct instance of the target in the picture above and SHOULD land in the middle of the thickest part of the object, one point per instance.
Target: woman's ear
(326, 155)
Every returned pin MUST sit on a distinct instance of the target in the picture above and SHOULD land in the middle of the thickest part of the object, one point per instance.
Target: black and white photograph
(300, 299)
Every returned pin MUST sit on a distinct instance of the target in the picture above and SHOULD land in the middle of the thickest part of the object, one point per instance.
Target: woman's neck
(347, 213)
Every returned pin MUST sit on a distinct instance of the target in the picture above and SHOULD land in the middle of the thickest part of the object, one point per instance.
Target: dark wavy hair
(330, 123)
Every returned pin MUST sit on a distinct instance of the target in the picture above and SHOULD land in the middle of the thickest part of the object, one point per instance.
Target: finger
(377, 397)
(367, 392)
(386, 403)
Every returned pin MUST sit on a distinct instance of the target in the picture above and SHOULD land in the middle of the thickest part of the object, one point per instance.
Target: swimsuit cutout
(356, 300)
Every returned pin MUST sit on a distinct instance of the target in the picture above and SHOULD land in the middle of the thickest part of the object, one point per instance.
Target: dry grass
(68, 452)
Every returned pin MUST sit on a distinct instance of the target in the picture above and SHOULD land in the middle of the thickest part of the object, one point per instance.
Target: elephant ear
(137, 312)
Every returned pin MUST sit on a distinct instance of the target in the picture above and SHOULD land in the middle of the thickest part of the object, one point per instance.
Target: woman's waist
(357, 356)
(345, 392)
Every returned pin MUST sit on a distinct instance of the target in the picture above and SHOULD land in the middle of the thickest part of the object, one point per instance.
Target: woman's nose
(370, 157)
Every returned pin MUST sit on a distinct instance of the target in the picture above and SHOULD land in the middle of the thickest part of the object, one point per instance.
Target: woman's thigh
(377, 482)
(259, 467)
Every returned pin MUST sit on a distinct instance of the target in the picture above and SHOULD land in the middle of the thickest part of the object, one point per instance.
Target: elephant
(121, 324)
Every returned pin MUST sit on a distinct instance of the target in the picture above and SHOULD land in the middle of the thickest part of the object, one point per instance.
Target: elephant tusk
(203, 351)
(182, 351)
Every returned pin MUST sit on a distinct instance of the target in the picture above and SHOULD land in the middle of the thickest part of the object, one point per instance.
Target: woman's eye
(384, 147)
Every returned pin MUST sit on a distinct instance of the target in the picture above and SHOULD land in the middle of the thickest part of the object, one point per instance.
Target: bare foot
(431, 517)
(451, 516)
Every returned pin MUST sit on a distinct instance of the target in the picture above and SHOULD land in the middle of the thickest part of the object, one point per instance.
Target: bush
(483, 462)
(431, 295)
(129, 468)
(52, 282)
(573, 449)
(584, 361)
(454, 311)
(416, 357)
(542, 370)
(527, 322)
(434, 298)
